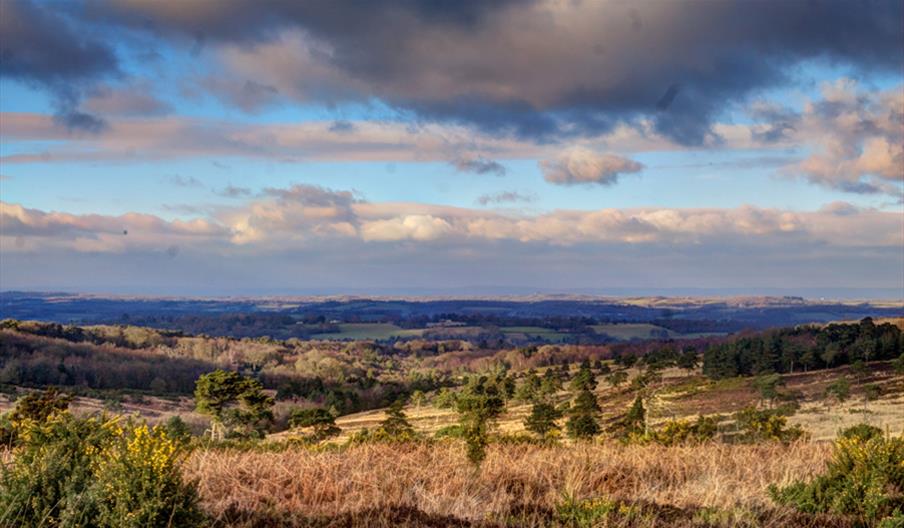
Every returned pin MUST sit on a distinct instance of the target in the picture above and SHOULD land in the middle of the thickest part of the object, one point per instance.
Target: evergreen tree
(236, 404)
(584, 379)
(529, 388)
(542, 418)
(320, 419)
(396, 423)
(583, 416)
(636, 419)
(478, 407)
(551, 383)
(617, 378)
(601, 368)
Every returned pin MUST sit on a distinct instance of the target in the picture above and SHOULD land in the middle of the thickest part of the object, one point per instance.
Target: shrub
(72, 472)
(320, 419)
(449, 431)
(839, 389)
(634, 421)
(177, 428)
(445, 399)
(862, 432)
(39, 406)
(591, 512)
(394, 428)
(864, 478)
(872, 392)
(677, 432)
(756, 425)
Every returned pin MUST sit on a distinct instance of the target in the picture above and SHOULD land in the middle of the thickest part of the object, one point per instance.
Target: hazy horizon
(495, 292)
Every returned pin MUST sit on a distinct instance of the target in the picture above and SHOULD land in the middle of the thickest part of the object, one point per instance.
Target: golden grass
(437, 480)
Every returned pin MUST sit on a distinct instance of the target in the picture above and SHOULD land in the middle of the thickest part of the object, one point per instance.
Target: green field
(628, 331)
(621, 331)
(535, 331)
(369, 331)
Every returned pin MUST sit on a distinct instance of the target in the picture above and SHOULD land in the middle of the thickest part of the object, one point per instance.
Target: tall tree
(583, 416)
(542, 418)
(636, 418)
(479, 404)
(237, 405)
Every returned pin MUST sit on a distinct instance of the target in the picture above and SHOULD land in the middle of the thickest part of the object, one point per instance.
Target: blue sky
(383, 145)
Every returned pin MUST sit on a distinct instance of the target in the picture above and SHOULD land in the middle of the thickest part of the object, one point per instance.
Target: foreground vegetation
(629, 435)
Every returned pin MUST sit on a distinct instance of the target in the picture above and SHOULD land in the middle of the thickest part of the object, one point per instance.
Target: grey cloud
(759, 247)
(314, 195)
(41, 46)
(679, 63)
(505, 197)
(133, 99)
(231, 191)
(342, 127)
(248, 95)
(184, 181)
(840, 209)
(777, 122)
(479, 165)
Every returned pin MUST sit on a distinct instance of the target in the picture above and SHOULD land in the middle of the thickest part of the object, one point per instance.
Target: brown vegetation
(519, 485)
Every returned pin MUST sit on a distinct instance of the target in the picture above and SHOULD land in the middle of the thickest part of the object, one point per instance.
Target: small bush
(756, 425)
(450, 431)
(676, 432)
(591, 512)
(72, 472)
(322, 423)
(865, 478)
(862, 432)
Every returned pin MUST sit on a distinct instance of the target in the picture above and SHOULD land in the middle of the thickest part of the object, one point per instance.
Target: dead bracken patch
(433, 485)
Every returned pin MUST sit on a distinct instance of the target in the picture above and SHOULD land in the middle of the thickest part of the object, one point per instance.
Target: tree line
(803, 348)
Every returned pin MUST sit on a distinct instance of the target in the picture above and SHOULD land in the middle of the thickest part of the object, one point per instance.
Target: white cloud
(581, 165)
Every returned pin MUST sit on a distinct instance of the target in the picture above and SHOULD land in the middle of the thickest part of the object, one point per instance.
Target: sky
(248, 147)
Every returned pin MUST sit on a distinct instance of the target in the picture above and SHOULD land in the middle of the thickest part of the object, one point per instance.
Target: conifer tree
(636, 419)
(583, 417)
(542, 418)
(396, 423)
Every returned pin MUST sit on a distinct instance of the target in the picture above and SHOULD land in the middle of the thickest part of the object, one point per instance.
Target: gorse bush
(863, 432)
(677, 432)
(592, 512)
(769, 425)
(864, 478)
(72, 472)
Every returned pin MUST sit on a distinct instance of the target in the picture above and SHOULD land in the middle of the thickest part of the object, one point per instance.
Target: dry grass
(436, 482)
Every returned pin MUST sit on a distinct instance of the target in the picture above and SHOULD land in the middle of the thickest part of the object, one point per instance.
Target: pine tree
(636, 419)
(551, 383)
(584, 379)
(542, 418)
(236, 404)
(396, 423)
(478, 407)
(583, 417)
(529, 387)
